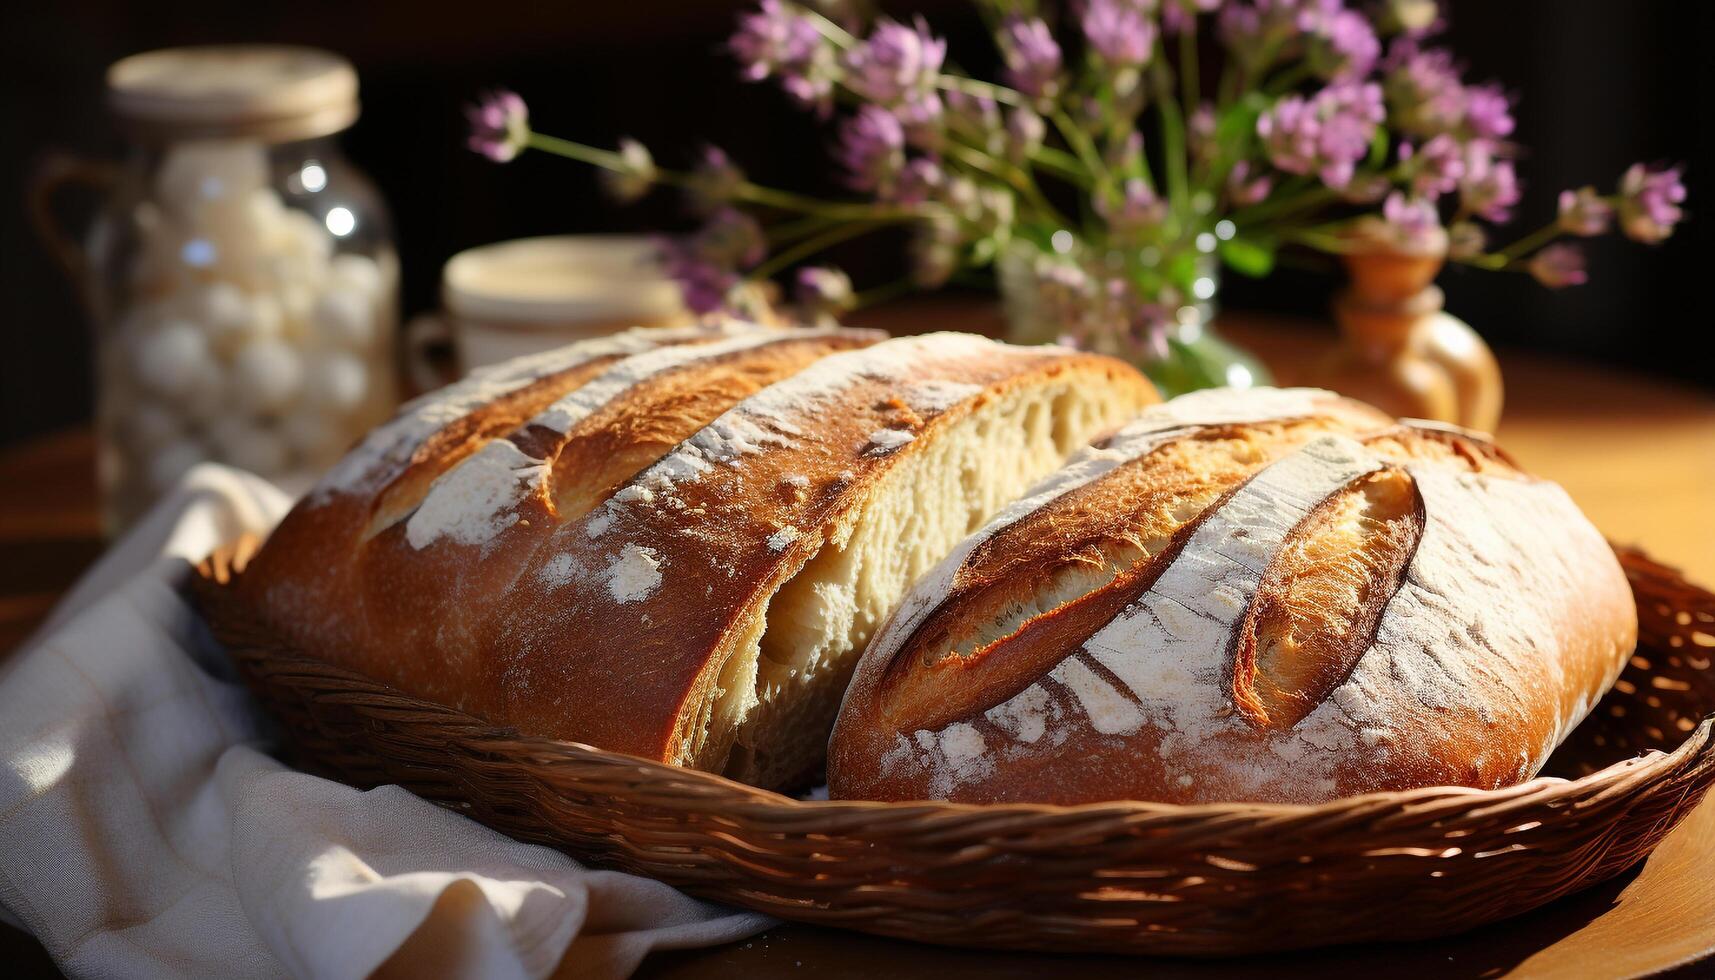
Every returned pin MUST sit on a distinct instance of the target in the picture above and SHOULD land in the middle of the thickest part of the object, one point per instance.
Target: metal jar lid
(270, 92)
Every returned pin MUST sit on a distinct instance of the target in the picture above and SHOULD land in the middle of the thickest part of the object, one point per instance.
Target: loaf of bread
(1272, 595)
(671, 543)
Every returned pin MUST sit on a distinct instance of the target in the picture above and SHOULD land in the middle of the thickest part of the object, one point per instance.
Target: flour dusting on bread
(1508, 619)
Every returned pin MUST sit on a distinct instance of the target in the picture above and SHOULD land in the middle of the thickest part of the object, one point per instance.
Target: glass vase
(1162, 322)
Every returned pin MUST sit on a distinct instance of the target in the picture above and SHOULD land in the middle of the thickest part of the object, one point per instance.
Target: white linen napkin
(144, 832)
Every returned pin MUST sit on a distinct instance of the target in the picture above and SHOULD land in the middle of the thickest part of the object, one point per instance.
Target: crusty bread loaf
(1275, 595)
(671, 542)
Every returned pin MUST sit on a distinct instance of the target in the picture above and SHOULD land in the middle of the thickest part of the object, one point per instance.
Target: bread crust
(589, 568)
(1274, 596)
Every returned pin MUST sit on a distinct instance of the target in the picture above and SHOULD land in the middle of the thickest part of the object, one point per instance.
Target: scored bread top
(1274, 595)
(577, 545)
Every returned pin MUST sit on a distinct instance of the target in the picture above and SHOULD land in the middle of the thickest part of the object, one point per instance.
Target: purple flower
(1025, 132)
(1135, 208)
(822, 293)
(1488, 112)
(731, 238)
(895, 63)
(703, 284)
(499, 125)
(1436, 169)
(1326, 134)
(1178, 16)
(1242, 190)
(635, 174)
(1201, 128)
(1489, 187)
(976, 119)
(1127, 156)
(1409, 17)
(714, 180)
(1243, 29)
(1466, 240)
(872, 148)
(934, 252)
(1585, 212)
(1649, 202)
(1342, 42)
(920, 181)
(705, 263)
(781, 42)
(1119, 32)
(1413, 221)
(1423, 90)
(1558, 265)
(922, 117)
(1366, 189)
(1033, 59)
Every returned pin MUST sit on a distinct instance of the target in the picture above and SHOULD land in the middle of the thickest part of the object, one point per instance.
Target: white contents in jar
(268, 374)
(198, 175)
(167, 465)
(250, 341)
(171, 358)
(336, 382)
(152, 426)
(231, 317)
(249, 446)
(345, 318)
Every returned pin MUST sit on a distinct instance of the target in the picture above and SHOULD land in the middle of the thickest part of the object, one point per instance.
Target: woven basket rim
(1612, 778)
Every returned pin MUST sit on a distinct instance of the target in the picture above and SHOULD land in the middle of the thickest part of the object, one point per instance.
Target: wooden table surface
(1637, 454)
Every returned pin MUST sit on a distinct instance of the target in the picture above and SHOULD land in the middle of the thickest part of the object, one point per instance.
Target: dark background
(1600, 84)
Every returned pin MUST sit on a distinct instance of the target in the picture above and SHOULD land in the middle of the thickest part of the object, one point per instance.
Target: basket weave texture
(1114, 877)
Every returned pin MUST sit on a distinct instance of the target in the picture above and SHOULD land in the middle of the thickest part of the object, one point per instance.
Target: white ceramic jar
(242, 274)
(518, 297)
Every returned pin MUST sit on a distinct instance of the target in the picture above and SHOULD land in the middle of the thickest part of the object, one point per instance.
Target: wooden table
(1637, 454)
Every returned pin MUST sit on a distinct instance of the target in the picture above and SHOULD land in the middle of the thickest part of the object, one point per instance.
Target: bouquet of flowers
(1129, 148)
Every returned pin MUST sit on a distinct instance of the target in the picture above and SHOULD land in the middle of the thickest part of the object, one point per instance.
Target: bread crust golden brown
(586, 547)
(1269, 596)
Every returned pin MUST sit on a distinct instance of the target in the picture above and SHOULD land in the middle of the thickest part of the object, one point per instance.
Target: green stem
(978, 87)
(1319, 240)
(827, 28)
(1531, 242)
(745, 191)
(605, 159)
(1287, 80)
(810, 246)
(1080, 143)
(1062, 164)
(1016, 177)
(1189, 83)
(883, 292)
(786, 231)
(1172, 140)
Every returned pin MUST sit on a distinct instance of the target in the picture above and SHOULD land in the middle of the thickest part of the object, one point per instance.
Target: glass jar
(242, 274)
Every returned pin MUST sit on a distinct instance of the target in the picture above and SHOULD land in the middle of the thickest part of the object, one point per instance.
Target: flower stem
(1531, 242)
(605, 159)
(827, 28)
(978, 87)
(1287, 80)
(1081, 144)
(1018, 178)
(1189, 82)
(1172, 139)
(810, 246)
(883, 292)
(744, 191)
(1062, 164)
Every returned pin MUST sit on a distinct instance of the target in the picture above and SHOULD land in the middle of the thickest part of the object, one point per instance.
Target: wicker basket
(1117, 877)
